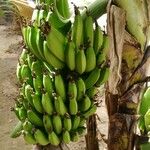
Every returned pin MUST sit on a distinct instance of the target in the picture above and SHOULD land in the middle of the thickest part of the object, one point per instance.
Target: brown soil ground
(10, 48)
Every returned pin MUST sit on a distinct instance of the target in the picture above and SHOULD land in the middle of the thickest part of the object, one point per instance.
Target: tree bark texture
(91, 137)
(123, 87)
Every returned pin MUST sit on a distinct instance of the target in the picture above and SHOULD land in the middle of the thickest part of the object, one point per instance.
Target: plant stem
(96, 9)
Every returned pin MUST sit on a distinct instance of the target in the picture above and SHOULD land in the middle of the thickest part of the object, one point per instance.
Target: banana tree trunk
(124, 85)
(91, 137)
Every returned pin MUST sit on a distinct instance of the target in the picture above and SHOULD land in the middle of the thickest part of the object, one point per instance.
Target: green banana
(39, 43)
(23, 56)
(48, 84)
(18, 72)
(30, 59)
(22, 113)
(74, 136)
(26, 74)
(80, 60)
(72, 89)
(63, 8)
(38, 84)
(51, 58)
(105, 45)
(101, 58)
(57, 123)
(37, 67)
(90, 111)
(88, 30)
(104, 75)
(47, 121)
(84, 104)
(16, 130)
(60, 86)
(29, 138)
(32, 41)
(28, 93)
(91, 92)
(47, 103)
(147, 120)
(56, 20)
(77, 29)
(70, 55)
(41, 137)
(56, 43)
(80, 88)
(60, 106)
(73, 106)
(92, 78)
(53, 138)
(90, 59)
(67, 124)
(98, 39)
(66, 137)
(37, 102)
(34, 118)
(28, 126)
(75, 122)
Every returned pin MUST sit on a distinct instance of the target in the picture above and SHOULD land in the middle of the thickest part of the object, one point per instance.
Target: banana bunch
(59, 71)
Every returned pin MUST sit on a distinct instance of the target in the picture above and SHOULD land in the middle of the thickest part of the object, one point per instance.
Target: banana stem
(96, 9)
